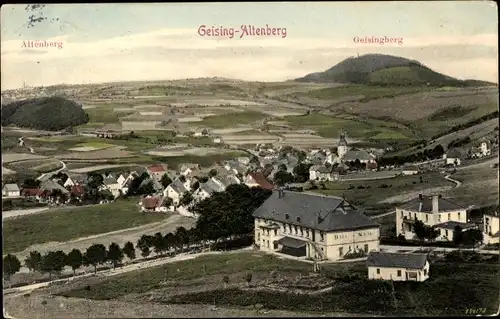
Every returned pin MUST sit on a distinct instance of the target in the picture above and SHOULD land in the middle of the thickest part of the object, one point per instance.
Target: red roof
(44, 193)
(157, 168)
(77, 190)
(30, 191)
(150, 202)
(261, 180)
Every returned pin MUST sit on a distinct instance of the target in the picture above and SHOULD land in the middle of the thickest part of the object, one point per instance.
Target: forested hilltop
(48, 113)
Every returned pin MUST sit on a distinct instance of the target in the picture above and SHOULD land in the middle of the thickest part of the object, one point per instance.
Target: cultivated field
(36, 165)
(108, 153)
(15, 157)
(63, 224)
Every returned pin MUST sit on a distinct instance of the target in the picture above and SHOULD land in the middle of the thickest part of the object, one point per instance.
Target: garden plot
(89, 147)
(123, 109)
(150, 113)
(108, 153)
(140, 125)
(307, 139)
(190, 119)
(15, 157)
(230, 130)
(250, 139)
(196, 151)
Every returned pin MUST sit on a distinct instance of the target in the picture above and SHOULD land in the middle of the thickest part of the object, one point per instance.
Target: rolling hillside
(52, 114)
(386, 70)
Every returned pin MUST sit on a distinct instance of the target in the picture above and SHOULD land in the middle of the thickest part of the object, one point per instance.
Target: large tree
(165, 180)
(53, 262)
(115, 254)
(301, 172)
(186, 199)
(229, 213)
(96, 255)
(33, 261)
(11, 265)
(129, 250)
(74, 259)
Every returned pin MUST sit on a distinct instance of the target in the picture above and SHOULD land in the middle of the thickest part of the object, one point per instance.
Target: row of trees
(224, 215)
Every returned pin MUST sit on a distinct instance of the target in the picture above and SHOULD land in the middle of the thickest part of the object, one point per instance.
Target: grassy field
(481, 180)
(370, 192)
(199, 281)
(36, 166)
(368, 92)
(105, 115)
(96, 145)
(329, 126)
(232, 119)
(64, 224)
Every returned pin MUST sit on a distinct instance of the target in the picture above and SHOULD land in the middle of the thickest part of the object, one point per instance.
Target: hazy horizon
(103, 43)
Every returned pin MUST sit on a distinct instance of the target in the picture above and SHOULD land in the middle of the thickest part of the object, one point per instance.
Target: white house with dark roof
(309, 225)
(491, 228)
(112, 185)
(11, 190)
(453, 157)
(398, 266)
(321, 173)
(207, 189)
(432, 211)
(176, 190)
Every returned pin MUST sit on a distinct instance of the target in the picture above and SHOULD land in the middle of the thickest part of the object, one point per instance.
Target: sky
(96, 43)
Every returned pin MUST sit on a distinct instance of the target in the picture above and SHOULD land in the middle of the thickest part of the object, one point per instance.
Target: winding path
(457, 183)
(32, 150)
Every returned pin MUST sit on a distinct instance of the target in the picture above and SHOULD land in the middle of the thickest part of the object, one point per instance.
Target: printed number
(475, 311)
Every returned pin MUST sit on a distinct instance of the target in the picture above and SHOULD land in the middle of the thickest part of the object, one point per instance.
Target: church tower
(342, 145)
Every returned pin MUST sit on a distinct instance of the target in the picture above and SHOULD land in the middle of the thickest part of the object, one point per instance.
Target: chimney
(420, 196)
(287, 216)
(435, 203)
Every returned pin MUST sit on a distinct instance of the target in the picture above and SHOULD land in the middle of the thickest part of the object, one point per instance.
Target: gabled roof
(452, 224)
(396, 260)
(151, 202)
(77, 190)
(156, 168)
(261, 180)
(313, 211)
(320, 168)
(110, 181)
(178, 186)
(11, 188)
(30, 191)
(453, 153)
(362, 155)
(424, 205)
(211, 187)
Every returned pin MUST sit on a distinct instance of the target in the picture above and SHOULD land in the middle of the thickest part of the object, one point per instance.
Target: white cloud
(182, 53)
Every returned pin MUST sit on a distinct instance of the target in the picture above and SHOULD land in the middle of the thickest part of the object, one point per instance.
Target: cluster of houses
(485, 147)
(324, 228)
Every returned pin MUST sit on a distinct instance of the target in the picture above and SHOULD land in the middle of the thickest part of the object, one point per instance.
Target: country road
(32, 150)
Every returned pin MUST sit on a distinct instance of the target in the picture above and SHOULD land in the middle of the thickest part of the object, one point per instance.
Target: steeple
(342, 140)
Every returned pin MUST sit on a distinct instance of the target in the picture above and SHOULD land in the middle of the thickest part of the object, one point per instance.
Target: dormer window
(287, 216)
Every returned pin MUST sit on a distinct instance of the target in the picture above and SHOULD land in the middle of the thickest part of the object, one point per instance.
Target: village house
(75, 179)
(218, 140)
(432, 211)
(11, 190)
(362, 156)
(207, 189)
(235, 167)
(491, 228)
(189, 168)
(176, 190)
(410, 170)
(201, 132)
(321, 173)
(156, 171)
(155, 204)
(483, 149)
(453, 157)
(112, 185)
(256, 179)
(398, 266)
(312, 226)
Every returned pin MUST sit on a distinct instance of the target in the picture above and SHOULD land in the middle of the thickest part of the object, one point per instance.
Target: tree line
(468, 124)
(428, 154)
(224, 215)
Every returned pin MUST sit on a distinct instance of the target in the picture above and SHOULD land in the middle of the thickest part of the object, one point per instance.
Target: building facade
(313, 226)
(491, 228)
(398, 266)
(432, 211)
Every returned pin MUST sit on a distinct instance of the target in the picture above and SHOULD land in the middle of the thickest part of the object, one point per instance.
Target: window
(458, 215)
(341, 251)
(296, 231)
(439, 217)
(336, 237)
(425, 272)
(258, 236)
(321, 236)
(402, 215)
(307, 232)
(322, 249)
(399, 273)
(360, 234)
(426, 217)
(414, 215)
(446, 232)
(449, 216)
(378, 271)
(366, 248)
(275, 232)
(301, 232)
